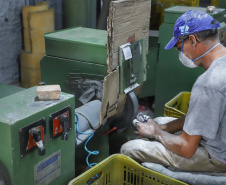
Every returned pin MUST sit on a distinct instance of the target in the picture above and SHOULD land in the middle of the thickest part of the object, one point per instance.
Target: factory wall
(11, 41)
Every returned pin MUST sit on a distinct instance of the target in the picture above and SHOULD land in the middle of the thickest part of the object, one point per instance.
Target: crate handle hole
(95, 178)
(175, 104)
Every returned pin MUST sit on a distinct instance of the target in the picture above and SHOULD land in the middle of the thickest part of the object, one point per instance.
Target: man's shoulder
(215, 76)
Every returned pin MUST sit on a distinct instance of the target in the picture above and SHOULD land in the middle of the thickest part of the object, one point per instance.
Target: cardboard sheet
(109, 106)
(128, 21)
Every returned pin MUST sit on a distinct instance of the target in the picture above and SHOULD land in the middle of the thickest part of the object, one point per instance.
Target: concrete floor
(17, 83)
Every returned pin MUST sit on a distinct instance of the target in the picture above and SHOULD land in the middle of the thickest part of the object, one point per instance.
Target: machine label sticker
(126, 51)
(48, 169)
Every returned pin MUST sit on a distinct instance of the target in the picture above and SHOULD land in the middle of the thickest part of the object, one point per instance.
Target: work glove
(141, 118)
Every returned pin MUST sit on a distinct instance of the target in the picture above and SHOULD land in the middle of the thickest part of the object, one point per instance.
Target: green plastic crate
(178, 106)
(119, 169)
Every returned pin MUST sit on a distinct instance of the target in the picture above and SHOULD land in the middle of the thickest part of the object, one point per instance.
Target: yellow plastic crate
(178, 106)
(186, 2)
(158, 7)
(119, 169)
(215, 3)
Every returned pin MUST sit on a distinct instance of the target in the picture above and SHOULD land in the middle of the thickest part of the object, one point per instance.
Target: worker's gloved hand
(147, 130)
(141, 118)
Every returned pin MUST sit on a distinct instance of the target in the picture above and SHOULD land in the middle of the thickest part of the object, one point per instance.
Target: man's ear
(193, 41)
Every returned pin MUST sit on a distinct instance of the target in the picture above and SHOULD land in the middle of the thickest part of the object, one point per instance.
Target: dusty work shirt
(207, 109)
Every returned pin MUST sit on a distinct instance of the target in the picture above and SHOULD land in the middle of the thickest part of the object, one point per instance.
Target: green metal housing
(173, 13)
(83, 44)
(79, 53)
(6, 90)
(80, 13)
(172, 77)
(148, 87)
(20, 110)
(60, 71)
(133, 70)
(84, 50)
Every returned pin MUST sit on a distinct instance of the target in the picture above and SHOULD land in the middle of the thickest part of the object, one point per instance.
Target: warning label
(48, 169)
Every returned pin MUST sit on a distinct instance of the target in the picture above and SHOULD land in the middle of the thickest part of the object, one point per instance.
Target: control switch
(36, 134)
(33, 137)
(64, 121)
(60, 124)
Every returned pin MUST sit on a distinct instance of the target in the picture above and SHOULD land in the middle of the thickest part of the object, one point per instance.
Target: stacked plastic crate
(158, 7)
(37, 20)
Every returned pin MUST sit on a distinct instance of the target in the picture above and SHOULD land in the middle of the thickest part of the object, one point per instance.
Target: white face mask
(183, 58)
(186, 61)
(190, 63)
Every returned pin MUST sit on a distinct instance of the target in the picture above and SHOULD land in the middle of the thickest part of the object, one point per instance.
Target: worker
(201, 145)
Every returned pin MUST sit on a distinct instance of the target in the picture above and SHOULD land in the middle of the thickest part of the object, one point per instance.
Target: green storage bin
(119, 169)
(82, 44)
(173, 13)
(178, 106)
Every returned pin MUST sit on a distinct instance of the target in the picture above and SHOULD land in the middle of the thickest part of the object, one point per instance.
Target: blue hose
(95, 152)
(89, 152)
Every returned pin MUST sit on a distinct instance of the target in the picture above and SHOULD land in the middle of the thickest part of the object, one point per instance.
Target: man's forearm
(183, 145)
(173, 126)
(172, 142)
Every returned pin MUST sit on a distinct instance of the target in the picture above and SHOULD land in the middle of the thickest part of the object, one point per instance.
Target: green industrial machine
(222, 4)
(132, 70)
(171, 76)
(148, 87)
(6, 90)
(37, 138)
(80, 13)
(73, 54)
(82, 52)
(78, 54)
(82, 44)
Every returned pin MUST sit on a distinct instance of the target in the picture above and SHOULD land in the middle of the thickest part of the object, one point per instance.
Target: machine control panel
(32, 137)
(60, 124)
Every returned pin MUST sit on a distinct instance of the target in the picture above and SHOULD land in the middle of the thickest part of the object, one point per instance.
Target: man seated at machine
(201, 146)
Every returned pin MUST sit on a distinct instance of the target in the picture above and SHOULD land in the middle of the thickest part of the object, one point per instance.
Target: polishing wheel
(129, 112)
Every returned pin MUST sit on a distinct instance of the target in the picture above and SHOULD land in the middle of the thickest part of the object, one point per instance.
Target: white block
(48, 92)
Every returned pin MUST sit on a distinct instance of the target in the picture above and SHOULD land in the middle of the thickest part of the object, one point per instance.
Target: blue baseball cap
(195, 21)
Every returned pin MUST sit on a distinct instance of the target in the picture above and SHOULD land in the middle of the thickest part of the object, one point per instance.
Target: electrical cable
(163, 6)
(155, 2)
(95, 152)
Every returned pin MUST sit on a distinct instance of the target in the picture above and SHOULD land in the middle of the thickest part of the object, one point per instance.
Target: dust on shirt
(207, 109)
